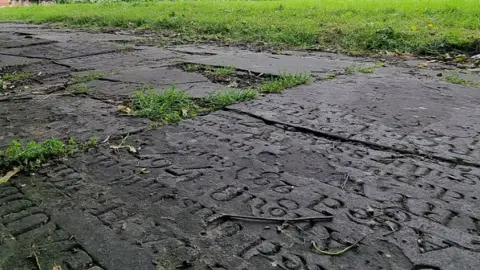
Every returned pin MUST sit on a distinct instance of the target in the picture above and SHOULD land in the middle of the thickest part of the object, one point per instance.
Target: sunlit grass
(423, 27)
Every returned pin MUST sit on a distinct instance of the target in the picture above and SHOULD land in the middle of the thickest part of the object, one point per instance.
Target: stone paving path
(393, 156)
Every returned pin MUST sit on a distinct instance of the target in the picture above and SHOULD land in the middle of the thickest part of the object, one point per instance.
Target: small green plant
(329, 77)
(229, 97)
(370, 69)
(33, 154)
(220, 72)
(78, 89)
(350, 69)
(367, 69)
(284, 81)
(16, 77)
(192, 67)
(457, 80)
(88, 77)
(168, 106)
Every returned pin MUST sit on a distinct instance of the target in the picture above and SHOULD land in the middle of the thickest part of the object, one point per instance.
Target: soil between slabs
(158, 208)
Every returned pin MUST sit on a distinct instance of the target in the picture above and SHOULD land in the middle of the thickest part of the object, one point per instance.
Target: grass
(87, 77)
(16, 76)
(364, 69)
(220, 71)
(33, 154)
(229, 97)
(173, 105)
(78, 89)
(284, 81)
(192, 67)
(412, 26)
(457, 80)
(168, 106)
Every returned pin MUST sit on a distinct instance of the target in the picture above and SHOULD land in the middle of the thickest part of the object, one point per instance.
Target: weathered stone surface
(8, 40)
(57, 51)
(62, 117)
(391, 155)
(141, 56)
(396, 111)
(8, 61)
(272, 64)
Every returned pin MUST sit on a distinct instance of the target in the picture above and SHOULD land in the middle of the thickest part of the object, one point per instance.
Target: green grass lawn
(413, 26)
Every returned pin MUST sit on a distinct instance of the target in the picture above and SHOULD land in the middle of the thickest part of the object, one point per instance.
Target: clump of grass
(220, 71)
(192, 67)
(367, 69)
(168, 106)
(284, 81)
(329, 77)
(364, 69)
(78, 89)
(457, 80)
(33, 154)
(17, 76)
(225, 98)
(88, 77)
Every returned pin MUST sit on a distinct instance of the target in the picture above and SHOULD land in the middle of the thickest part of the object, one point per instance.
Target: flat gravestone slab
(10, 61)
(62, 50)
(8, 40)
(157, 76)
(230, 163)
(397, 111)
(62, 117)
(272, 64)
(146, 56)
(75, 36)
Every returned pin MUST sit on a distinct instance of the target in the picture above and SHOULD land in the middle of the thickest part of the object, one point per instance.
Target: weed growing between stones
(32, 155)
(457, 80)
(284, 81)
(173, 105)
(10, 80)
(87, 77)
(225, 98)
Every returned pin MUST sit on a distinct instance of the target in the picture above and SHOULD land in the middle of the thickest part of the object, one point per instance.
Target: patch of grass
(229, 97)
(457, 80)
(33, 154)
(87, 77)
(329, 77)
(284, 81)
(367, 69)
(168, 106)
(364, 69)
(192, 67)
(221, 71)
(422, 27)
(78, 89)
(16, 77)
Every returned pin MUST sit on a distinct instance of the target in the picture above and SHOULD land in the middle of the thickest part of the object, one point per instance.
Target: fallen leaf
(144, 171)
(56, 267)
(124, 109)
(9, 175)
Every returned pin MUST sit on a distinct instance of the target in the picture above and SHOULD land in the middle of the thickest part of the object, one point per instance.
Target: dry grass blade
(9, 175)
(339, 252)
